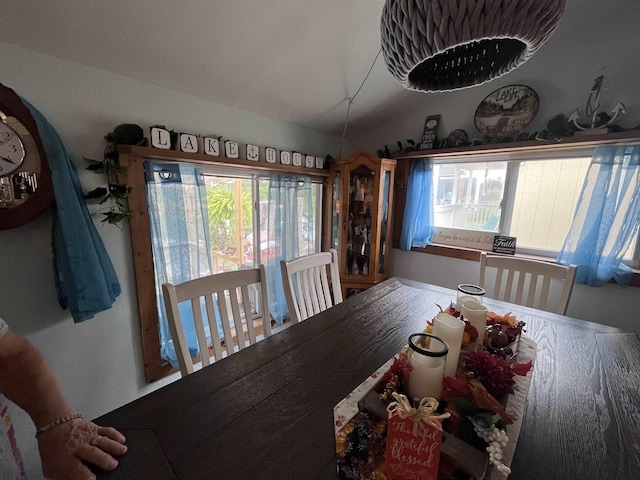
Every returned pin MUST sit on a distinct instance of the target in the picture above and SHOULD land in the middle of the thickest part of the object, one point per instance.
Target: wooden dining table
(266, 412)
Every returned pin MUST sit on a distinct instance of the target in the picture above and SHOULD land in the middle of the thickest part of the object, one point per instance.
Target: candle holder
(427, 362)
(467, 292)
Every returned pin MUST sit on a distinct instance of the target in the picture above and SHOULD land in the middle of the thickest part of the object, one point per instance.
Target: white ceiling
(293, 60)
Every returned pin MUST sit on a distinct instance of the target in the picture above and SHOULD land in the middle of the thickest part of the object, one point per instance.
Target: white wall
(561, 72)
(99, 362)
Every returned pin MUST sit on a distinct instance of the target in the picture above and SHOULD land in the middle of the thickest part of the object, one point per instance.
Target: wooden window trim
(530, 147)
(132, 160)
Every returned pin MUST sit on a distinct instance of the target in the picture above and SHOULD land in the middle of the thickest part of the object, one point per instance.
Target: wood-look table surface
(266, 412)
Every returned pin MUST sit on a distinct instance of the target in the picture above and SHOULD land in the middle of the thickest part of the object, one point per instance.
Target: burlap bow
(424, 412)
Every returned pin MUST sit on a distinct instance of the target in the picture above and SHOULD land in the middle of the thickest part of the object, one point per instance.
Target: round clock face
(11, 150)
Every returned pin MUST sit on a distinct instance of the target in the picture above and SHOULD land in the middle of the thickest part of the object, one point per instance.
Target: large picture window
(532, 199)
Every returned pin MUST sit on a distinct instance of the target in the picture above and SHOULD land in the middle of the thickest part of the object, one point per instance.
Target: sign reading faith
(503, 244)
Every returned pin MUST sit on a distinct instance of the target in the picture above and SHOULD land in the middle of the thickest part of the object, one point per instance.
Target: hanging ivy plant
(114, 194)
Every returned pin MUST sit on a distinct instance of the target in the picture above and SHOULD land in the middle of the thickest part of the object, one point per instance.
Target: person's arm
(27, 379)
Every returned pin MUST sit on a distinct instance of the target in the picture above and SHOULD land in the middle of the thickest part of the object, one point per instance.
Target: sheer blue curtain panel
(180, 241)
(607, 217)
(417, 224)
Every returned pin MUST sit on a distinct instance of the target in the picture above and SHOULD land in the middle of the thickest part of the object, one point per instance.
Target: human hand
(63, 449)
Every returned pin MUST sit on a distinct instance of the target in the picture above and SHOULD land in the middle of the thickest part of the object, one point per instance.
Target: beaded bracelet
(57, 422)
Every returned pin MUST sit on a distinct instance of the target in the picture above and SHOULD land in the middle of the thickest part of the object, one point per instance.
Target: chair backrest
(527, 282)
(306, 286)
(228, 293)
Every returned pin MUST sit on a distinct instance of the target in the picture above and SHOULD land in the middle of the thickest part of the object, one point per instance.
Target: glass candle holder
(466, 292)
(427, 362)
(450, 329)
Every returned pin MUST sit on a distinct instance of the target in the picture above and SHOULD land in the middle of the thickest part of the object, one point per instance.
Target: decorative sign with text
(463, 238)
(503, 244)
(429, 133)
(413, 453)
(165, 139)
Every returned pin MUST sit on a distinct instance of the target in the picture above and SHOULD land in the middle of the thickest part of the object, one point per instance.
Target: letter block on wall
(160, 138)
(270, 155)
(231, 149)
(285, 157)
(211, 146)
(253, 152)
(188, 143)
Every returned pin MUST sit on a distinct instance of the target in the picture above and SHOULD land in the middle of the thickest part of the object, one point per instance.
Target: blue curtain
(289, 218)
(180, 240)
(417, 224)
(607, 217)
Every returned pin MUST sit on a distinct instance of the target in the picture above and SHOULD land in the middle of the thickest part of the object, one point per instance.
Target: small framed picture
(319, 162)
(296, 159)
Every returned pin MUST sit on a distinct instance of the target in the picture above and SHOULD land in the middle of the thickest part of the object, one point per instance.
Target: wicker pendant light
(439, 45)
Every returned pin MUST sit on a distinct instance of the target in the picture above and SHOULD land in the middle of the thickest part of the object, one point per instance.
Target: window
(132, 160)
(213, 220)
(532, 199)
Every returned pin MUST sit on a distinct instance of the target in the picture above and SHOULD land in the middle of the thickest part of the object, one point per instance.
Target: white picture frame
(319, 162)
(296, 159)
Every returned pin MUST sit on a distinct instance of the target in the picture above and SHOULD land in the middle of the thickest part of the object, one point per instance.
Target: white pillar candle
(428, 363)
(476, 314)
(465, 298)
(449, 329)
(425, 379)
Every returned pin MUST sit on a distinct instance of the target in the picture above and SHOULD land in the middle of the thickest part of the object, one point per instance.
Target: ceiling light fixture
(441, 45)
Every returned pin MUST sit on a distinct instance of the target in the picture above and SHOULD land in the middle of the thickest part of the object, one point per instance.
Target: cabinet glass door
(384, 220)
(335, 215)
(361, 197)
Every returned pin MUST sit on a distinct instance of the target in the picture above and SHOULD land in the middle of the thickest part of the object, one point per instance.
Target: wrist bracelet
(57, 422)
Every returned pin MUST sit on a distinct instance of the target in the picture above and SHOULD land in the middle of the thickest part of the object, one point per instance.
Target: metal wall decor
(441, 45)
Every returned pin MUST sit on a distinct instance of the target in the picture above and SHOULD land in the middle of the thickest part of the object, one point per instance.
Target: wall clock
(25, 179)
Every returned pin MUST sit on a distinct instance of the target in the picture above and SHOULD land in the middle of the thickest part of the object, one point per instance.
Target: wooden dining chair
(227, 292)
(306, 285)
(527, 282)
